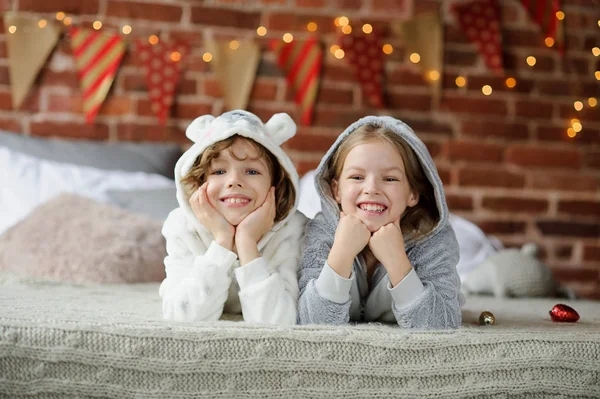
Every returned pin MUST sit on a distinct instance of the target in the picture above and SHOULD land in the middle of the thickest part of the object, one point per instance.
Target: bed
(70, 339)
(86, 340)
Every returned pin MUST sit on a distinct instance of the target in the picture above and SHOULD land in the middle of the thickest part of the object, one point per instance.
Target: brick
(223, 17)
(480, 177)
(564, 182)
(586, 114)
(67, 6)
(194, 63)
(337, 72)
(473, 151)
(113, 105)
(510, 12)
(518, 62)
(349, 4)
(484, 128)
(4, 76)
(587, 208)
(287, 22)
(328, 95)
(434, 148)
(10, 125)
(427, 126)
(522, 38)
(586, 136)
(572, 229)
(563, 252)
(49, 77)
(412, 102)
(310, 142)
(405, 77)
(579, 19)
(534, 109)
(327, 117)
(540, 157)
(475, 83)
(591, 253)
(453, 34)
(30, 103)
(577, 65)
(391, 6)
(445, 175)
(263, 90)
(555, 88)
(193, 38)
(425, 6)
(502, 227)
(154, 12)
(212, 87)
(72, 130)
(459, 202)
(460, 58)
(575, 274)
(185, 110)
(515, 205)
(473, 105)
(311, 3)
(265, 113)
(592, 159)
(154, 132)
(3, 50)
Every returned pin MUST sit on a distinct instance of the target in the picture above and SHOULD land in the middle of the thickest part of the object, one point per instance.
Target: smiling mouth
(372, 209)
(235, 202)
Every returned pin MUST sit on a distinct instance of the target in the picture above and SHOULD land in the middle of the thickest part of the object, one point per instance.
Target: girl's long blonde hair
(416, 221)
(285, 193)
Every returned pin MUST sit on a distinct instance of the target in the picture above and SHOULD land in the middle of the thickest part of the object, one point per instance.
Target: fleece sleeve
(430, 298)
(324, 295)
(269, 284)
(196, 286)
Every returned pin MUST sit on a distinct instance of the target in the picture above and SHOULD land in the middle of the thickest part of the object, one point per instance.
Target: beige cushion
(72, 238)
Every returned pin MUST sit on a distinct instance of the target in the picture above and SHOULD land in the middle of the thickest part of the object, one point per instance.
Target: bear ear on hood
(198, 128)
(281, 127)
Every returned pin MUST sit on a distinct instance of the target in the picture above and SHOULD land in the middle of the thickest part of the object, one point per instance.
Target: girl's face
(238, 187)
(373, 185)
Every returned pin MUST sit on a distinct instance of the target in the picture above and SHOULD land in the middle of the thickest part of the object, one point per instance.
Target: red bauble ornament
(563, 313)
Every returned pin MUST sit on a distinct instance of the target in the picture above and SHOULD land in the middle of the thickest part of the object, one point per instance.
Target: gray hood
(328, 204)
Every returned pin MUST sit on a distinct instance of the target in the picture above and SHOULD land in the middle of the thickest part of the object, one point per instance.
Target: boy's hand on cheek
(210, 218)
(259, 222)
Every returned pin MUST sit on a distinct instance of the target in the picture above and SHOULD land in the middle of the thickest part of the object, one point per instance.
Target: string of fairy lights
(343, 23)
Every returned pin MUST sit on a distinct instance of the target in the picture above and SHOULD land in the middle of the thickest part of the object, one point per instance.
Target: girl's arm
(324, 294)
(429, 297)
(269, 284)
(196, 287)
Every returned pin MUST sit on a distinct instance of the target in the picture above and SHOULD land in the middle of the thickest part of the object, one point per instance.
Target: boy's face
(373, 185)
(238, 187)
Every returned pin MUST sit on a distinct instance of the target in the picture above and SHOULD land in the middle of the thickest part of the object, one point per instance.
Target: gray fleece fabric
(428, 298)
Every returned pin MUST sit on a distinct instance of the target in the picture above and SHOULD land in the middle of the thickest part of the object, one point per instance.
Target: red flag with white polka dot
(365, 54)
(480, 21)
(161, 63)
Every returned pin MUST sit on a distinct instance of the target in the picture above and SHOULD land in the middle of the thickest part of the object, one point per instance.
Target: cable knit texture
(78, 341)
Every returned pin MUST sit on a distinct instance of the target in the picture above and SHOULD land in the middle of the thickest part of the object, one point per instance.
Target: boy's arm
(196, 287)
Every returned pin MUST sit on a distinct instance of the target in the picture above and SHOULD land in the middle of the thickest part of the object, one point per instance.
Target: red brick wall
(505, 159)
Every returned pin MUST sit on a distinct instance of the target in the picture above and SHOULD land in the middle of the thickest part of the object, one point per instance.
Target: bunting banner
(424, 35)
(235, 68)
(543, 12)
(29, 43)
(480, 21)
(97, 59)
(161, 64)
(301, 61)
(365, 55)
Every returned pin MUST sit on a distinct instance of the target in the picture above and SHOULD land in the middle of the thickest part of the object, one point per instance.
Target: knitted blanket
(109, 341)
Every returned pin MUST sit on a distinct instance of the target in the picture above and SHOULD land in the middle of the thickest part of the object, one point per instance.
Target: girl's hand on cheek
(387, 244)
(210, 218)
(259, 222)
(351, 234)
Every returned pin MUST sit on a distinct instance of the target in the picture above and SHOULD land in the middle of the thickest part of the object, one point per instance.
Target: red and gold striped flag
(301, 61)
(543, 12)
(97, 58)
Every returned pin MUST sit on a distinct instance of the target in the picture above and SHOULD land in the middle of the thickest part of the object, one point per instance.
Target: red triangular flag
(301, 60)
(480, 20)
(161, 63)
(543, 13)
(365, 54)
(97, 57)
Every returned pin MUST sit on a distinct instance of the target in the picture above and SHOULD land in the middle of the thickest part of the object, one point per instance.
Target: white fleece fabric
(205, 280)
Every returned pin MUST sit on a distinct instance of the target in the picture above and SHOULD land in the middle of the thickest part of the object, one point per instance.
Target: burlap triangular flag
(28, 46)
(235, 69)
(424, 35)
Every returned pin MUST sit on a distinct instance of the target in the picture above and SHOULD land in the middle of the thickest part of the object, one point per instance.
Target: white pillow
(26, 182)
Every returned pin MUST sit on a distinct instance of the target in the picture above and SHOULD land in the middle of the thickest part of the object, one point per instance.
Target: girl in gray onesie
(382, 248)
